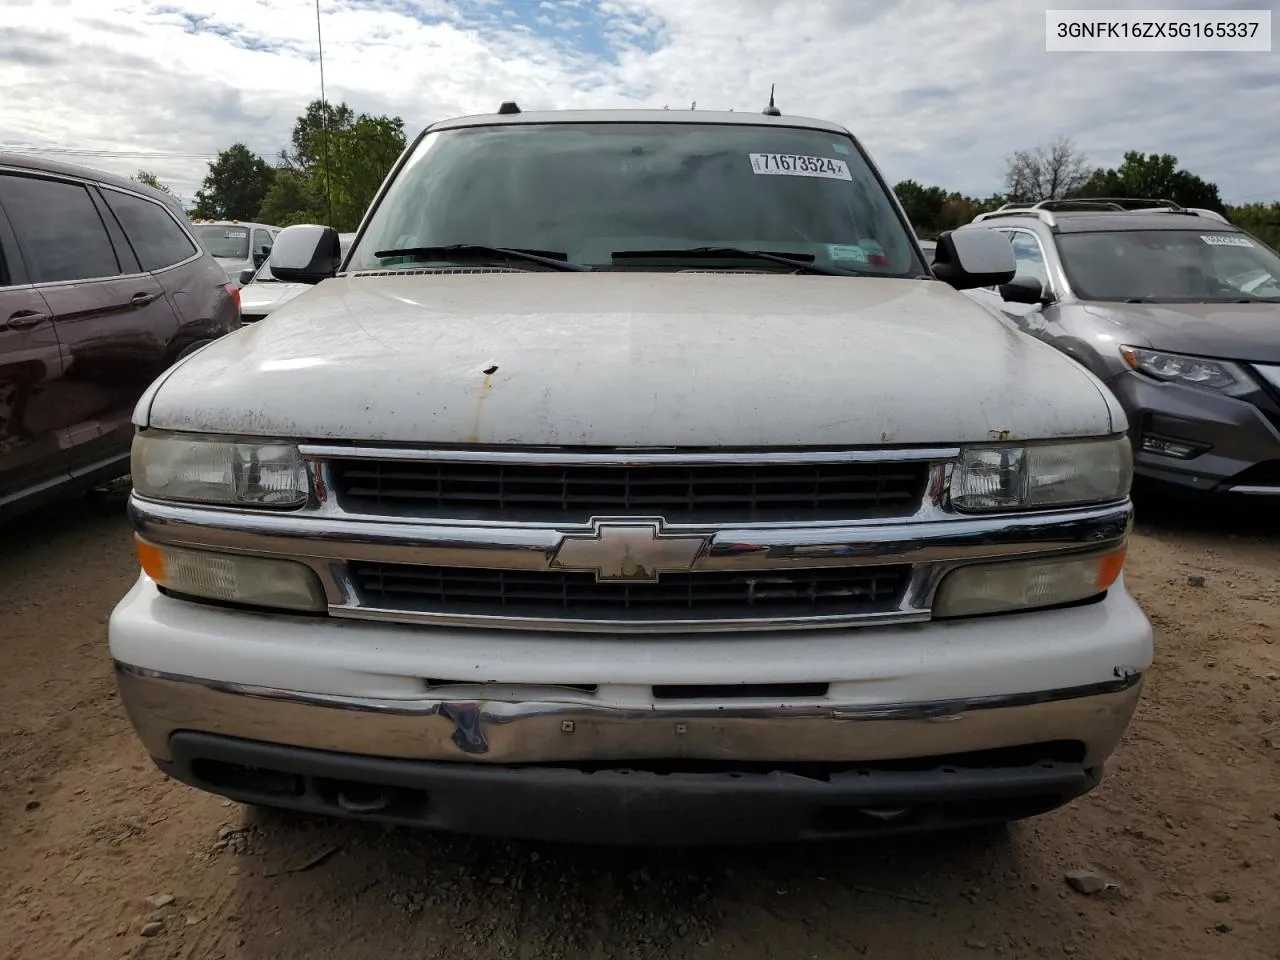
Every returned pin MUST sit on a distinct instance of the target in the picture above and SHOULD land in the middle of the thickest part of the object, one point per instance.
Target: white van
(235, 244)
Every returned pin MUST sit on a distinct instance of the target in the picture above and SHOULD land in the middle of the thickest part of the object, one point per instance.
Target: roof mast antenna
(771, 110)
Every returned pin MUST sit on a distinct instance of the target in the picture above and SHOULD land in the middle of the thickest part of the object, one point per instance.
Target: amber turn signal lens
(151, 557)
(1109, 568)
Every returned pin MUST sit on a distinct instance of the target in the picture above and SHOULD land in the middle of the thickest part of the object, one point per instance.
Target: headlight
(1042, 475)
(193, 468)
(254, 581)
(1196, 371)
(1025, 585)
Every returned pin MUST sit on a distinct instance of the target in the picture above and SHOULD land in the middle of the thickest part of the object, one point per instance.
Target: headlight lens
(192, 468)
(254, 581)
(1024, 585)
(1042, 475)
(1174, 367)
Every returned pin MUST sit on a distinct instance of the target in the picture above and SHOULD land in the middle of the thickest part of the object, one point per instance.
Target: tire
(190, 349)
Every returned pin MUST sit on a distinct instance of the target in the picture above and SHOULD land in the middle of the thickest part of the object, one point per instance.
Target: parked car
(102, 287)
(262, 292)
(633, 480)
(1177, 311)
(235, 245)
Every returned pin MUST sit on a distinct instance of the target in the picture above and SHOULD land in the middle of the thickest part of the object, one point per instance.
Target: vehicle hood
(1229, 331)
(262, 298)
(631, 359)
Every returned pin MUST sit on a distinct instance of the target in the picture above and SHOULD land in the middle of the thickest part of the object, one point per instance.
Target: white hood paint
(631, 359)
(259, 299)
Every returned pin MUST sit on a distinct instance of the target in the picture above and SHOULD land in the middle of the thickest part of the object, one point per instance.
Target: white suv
(634, 480)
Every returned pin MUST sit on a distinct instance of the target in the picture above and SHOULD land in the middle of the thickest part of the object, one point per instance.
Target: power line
(105, 153)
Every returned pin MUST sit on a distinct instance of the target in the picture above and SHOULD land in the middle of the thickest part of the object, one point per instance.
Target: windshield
(1169, 265)
(221, 240)
(590, 191)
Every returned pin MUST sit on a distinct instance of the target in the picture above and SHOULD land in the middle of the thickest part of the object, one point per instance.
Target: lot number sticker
(1225, 240)
(791, 165)
(836, 251)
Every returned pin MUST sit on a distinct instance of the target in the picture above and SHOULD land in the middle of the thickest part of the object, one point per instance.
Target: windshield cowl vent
(727, 270)
(432, 270)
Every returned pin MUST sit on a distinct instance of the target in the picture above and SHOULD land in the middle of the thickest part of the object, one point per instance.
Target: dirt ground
(1187, 822)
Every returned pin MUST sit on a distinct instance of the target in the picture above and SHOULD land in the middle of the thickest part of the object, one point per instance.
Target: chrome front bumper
(542, 731)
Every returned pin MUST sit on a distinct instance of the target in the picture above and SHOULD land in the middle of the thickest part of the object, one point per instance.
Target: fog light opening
(1171, 447)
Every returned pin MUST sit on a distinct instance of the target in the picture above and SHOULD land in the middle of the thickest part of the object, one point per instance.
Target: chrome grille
(831, 591)
(569, 492)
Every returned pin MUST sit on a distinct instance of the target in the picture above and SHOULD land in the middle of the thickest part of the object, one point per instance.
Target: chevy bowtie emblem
(628, 550)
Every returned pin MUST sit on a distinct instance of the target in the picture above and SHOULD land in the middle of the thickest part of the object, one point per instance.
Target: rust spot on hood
(486, 387)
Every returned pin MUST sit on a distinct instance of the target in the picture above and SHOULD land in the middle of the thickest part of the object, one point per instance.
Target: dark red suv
(102, 288)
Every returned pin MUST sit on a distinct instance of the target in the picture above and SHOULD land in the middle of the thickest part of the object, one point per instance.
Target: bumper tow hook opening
(358, 799)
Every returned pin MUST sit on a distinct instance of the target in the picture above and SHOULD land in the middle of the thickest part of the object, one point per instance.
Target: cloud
(939, 90)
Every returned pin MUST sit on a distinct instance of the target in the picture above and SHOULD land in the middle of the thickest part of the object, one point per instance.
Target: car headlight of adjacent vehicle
(1221, 375)
(1042, 475)
(191, 468)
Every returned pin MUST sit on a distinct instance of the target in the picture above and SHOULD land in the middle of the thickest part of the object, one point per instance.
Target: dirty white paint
(632, 359)
(865, 666)
(262, 298)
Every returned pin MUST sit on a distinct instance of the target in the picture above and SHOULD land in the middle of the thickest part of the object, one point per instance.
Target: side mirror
(306, 253)
(247, 275)
(973, 257)
(1024, 289)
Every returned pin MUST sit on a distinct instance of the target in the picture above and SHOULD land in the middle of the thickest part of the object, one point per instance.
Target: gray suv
(1176, 310)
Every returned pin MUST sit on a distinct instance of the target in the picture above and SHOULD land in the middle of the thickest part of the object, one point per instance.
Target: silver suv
(1176, 310)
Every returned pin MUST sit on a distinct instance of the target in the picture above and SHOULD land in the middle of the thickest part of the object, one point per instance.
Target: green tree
(360, 159)
(236, 185)
(1260, 219)
(1153, 176)
(307, 139)
(151, 180)
(933, 210)
(922, 205)
(293, 198)
(343, 157)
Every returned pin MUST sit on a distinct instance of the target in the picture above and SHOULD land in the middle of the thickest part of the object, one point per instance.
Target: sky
(939, 91)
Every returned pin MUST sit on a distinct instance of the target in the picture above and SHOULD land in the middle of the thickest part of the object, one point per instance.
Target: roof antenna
(771, 110)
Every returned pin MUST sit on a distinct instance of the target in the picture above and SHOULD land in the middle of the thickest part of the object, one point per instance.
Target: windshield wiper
(549, 258)
(800, 261)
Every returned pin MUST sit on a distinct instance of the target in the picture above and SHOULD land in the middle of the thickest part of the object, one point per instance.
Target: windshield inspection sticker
(790, 165)
(838, 251)
(1226, 240)
(235, 234)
